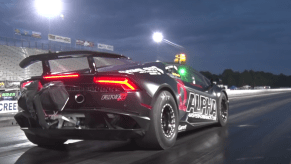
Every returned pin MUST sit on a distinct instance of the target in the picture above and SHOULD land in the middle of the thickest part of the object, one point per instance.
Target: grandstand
(10, 57)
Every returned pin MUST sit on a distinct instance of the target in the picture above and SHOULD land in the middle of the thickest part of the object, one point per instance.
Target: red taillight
(25, 84)
(61, 76)
(125, 82)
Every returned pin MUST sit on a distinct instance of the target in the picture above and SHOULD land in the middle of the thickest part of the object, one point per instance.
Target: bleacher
(10, 57)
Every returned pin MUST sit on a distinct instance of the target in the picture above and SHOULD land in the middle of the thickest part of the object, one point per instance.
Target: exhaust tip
(79, 98)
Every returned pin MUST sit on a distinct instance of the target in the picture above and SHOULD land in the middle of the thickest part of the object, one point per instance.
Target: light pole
(49, 9)
(158, 38)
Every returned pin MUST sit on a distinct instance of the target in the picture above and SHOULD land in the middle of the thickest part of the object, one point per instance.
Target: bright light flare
(49, 8)
(158, 37)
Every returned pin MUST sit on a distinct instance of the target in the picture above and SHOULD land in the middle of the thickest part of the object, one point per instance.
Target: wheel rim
(224, 110)
(168, 122)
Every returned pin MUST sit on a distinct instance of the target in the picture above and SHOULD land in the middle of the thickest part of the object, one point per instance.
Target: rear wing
(44, 58)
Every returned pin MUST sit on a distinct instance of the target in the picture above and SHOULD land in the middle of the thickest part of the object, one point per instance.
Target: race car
(104, 96)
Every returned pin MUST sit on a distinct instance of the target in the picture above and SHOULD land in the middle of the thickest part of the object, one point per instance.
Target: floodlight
(158, 37)
(48, 8)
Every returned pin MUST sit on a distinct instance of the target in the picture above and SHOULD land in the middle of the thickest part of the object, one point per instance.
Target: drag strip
(259, 131)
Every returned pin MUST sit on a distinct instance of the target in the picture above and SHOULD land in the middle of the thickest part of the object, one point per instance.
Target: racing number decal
(201, 107)
(182, 103)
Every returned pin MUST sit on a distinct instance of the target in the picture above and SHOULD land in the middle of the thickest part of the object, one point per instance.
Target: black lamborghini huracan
(104, 96)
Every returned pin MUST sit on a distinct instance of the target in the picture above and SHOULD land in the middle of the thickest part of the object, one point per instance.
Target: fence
(43, 46)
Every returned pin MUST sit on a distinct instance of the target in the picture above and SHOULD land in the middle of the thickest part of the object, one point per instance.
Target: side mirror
(211, 82)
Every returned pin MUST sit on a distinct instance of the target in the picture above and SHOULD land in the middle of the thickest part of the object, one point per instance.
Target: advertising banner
(57, 38)
(36, 34)
(8, 95)
(8, 107)
(104, 46)
(84, 43)
(29, 33)
(12, 84)
(2, 84)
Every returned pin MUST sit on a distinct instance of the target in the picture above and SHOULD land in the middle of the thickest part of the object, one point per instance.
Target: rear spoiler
(44, 58)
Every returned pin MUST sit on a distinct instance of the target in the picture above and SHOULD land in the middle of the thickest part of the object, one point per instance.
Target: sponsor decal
(153, 70)
(8, 106)
(175, 74)
(171, 66)
(182, 91)
(110, 97)
(201, 107)
(118, 97)
(182, 127)
(57, 38)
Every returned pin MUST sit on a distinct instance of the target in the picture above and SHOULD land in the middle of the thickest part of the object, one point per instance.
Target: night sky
(216, 35)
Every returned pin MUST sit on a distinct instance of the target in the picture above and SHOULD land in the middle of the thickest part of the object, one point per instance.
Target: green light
(182, 71)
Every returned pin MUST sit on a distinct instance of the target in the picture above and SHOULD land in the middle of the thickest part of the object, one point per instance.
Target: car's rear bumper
(92, 134)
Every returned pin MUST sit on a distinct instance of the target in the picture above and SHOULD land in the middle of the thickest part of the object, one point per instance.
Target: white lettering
(8, 106)
(182, 127)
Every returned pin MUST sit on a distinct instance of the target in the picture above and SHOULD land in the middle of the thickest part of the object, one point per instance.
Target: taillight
(24, 84)
(124, 82)
(61, 76)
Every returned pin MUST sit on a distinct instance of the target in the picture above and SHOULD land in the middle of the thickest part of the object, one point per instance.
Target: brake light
(125, 82)
(25, 84)
(61, 76)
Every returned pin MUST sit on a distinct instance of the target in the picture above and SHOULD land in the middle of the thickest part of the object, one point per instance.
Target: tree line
(252, 78)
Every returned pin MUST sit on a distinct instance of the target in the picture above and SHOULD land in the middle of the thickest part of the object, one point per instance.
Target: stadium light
(158, 37)
(49, 8)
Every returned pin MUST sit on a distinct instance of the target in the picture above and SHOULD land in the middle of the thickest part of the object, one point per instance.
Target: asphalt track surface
(259, 131)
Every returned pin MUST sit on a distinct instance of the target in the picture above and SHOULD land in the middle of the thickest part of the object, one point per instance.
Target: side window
(185, 74)
(198, 79)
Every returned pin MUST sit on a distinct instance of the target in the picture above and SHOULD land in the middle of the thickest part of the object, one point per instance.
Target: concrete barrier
(7, 119)
(243, 92)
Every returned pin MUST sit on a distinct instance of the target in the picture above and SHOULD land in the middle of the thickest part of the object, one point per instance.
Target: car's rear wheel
(163, 127)
(222, 110)
(42, 141)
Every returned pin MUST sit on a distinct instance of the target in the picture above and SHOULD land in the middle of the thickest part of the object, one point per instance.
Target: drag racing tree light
(180, 58)
(182, 71)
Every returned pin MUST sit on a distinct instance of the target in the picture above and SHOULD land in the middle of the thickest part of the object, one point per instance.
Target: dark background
(217, 35)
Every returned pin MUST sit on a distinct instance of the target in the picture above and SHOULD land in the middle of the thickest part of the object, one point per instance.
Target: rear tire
(163, 129)
(42, 141)
(222, 110)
